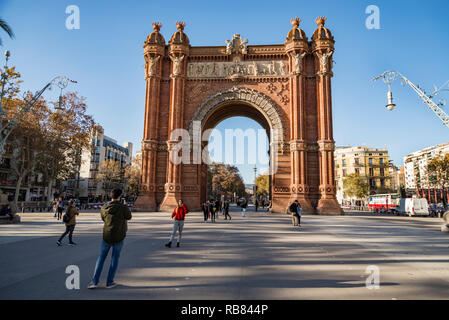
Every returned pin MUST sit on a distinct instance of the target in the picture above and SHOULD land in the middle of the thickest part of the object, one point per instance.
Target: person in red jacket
(178, 214)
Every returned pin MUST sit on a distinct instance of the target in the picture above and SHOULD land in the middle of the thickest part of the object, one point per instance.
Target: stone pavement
(261, 256)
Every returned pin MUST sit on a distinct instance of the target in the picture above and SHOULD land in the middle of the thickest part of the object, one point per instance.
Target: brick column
(178, 53)
(323, 50)
(297, 48)
(154, 49)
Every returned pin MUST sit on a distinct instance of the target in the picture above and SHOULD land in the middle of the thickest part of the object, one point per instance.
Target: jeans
(177, 226)
(69, 230)
(116, 248)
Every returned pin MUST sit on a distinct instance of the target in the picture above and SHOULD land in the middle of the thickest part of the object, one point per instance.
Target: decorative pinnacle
(320, 21)
(180, 25)
(295, 22)
(157, 26)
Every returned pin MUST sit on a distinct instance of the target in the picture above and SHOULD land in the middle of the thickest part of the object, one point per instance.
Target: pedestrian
(178, 214)
(205, 208)
(243, 205)
(299, 214)
(217, 208)
(55, 207)
(60, 208)
(212, 211)
(115, 216)
(257, 204)
(226, 210)
(6, 211)
(294, 212)
(70, 223)
(263, 203)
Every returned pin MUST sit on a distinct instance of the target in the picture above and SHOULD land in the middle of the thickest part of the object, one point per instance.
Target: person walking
(299, 214)
(178, 214)
(60, 207)
(115, 216)
(71, 213)
(55, 207)
(217, 208)
(243, 205)
(294, 212)
(205, 209)
(226, 210)
(257, 204)
(212, 211)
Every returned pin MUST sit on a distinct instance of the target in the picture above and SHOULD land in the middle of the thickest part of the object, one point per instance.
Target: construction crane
(390, 76)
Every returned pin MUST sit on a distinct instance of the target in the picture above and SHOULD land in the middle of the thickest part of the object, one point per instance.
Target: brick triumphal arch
(286, 88)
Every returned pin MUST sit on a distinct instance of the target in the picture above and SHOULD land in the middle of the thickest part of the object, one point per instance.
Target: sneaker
(177, 244)
(168, 245)
(92, 285)
(72, 244)
(58, 243)
(111, 285)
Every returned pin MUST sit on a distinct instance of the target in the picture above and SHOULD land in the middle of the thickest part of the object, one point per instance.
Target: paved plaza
(260, 256)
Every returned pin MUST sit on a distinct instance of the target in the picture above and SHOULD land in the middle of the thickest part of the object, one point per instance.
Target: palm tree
(6, 28)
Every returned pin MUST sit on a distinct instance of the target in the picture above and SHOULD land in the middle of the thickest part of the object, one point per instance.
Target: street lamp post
(390, 76)
(11, 124)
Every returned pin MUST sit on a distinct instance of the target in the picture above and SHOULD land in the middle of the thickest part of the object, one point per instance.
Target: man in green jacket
(115, 215)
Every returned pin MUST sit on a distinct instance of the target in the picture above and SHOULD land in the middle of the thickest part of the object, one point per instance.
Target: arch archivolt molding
(261, 102)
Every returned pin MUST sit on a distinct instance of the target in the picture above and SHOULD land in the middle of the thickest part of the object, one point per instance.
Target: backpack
(293, 207)
(66, 217)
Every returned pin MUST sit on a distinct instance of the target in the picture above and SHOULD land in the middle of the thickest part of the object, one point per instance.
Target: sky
(105, 56)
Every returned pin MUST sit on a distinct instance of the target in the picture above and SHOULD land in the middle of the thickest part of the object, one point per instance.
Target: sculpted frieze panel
(236, 68)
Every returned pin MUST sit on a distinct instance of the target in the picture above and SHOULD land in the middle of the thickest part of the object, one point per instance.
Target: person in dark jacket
(226, 210)
(205, 208)
(115, 215)
(178, 214)
(212, 211)
(72, 212)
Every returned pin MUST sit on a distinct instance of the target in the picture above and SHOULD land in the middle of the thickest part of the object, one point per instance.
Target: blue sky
(105, 57)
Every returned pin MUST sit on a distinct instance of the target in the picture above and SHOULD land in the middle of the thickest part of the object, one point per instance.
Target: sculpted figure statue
(298, 61)
(323, 57)
(243, 47)
(152, 69)
(228, 47)
(176, 64)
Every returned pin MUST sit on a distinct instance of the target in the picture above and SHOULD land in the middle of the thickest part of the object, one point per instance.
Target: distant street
(260, 256)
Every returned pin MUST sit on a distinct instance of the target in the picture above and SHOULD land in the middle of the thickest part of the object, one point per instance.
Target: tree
(225, 179)
(110, 174)
(66, 134)
(263, 184)
(7, 29)
(355, 186)
(24, 145)
(438, 171)
(133, 175)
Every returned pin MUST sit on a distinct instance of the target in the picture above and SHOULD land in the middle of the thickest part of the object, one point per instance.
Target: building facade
(416, 165)
(101, 149)
(285, 87)
(370, 163)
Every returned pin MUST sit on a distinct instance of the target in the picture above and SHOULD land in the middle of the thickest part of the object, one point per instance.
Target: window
(357, 171)
(356, 161)
(344, 162)
(372, 183)
(382, 172)
(344, 173)
(382, 182)
(381, 160)
(370, 160)
(371, 172)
